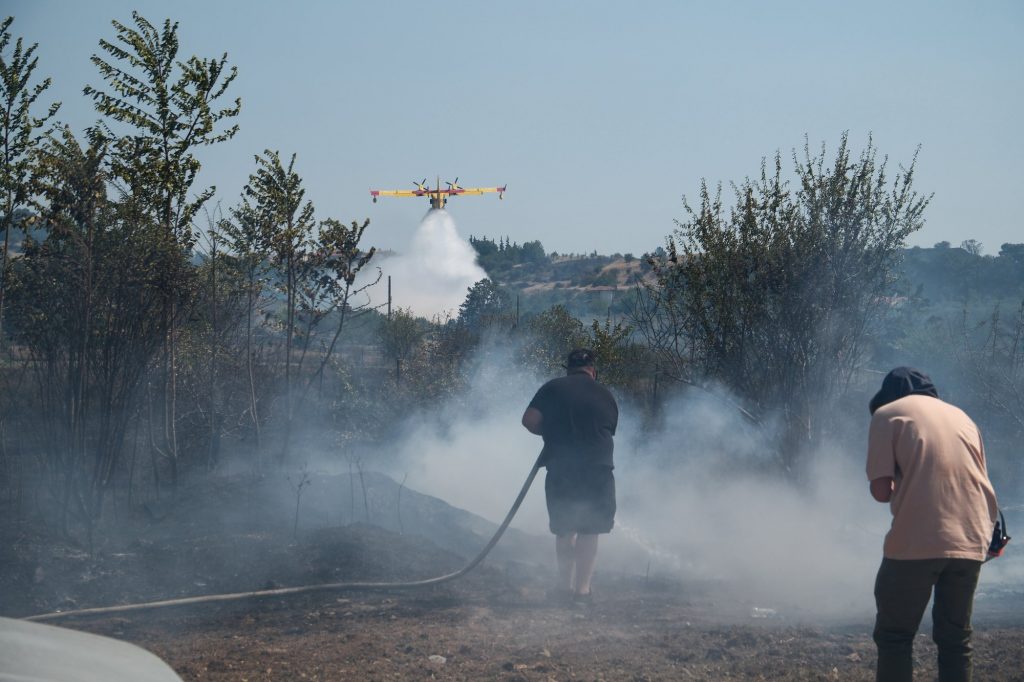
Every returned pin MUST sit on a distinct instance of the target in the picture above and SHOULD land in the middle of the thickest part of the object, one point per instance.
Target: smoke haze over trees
(775, 295)
(142, 346)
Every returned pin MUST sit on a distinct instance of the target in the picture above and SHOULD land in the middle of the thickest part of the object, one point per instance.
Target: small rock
(545, 653)
(855, 657)
(434, 658)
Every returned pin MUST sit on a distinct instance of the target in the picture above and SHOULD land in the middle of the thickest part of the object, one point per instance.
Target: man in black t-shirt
(577, 418)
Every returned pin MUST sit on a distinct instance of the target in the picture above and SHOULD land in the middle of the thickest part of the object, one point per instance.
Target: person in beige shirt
(926, 459)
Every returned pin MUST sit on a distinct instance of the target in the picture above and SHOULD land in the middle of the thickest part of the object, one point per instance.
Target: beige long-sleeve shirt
(943, 505)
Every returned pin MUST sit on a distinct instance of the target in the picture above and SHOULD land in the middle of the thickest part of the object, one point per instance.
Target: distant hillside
(589, 285)
(596, 285)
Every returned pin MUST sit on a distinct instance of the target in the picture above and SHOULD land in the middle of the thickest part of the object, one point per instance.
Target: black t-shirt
(580, 416)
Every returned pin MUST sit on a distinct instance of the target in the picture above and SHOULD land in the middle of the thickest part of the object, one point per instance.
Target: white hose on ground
(235, 596)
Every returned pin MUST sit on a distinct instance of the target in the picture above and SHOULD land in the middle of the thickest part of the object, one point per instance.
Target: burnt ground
(497, 623)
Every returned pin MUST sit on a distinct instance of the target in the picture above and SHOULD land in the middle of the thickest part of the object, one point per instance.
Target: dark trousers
(902, 590)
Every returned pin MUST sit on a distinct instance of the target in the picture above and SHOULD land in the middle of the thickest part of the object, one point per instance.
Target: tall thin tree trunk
(8, 223)
(252, 378)
(131, 464)
(212, 453)
(334, 340)
(172, 411)
(153, 449)
(290, 328)
(81, 391)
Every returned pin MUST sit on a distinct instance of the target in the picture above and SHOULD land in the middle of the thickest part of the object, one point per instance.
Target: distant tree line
(503, 254)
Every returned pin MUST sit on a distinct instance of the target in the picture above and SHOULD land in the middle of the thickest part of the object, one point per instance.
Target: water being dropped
(432, 276)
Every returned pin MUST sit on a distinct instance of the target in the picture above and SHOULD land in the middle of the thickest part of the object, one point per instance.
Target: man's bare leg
(586, 558)
(565, 554)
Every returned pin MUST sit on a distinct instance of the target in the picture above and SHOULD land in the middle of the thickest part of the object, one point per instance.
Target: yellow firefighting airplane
(438, 197)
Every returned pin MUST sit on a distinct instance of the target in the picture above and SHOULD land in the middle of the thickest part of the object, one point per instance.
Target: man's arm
(882, 488)
(881, 465)
(533, 420)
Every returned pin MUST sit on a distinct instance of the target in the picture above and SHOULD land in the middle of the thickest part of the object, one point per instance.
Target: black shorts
(581, 498)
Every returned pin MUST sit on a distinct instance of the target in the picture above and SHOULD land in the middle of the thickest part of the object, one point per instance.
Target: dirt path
(484, 633)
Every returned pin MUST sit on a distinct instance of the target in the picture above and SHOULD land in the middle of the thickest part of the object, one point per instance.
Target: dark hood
(901, 382)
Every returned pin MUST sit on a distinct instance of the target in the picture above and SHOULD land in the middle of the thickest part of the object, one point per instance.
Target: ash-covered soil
(497, 623)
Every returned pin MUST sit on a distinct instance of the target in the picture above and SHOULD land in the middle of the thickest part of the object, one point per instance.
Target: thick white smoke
(479, 461)
(698, 501)
(433, 275)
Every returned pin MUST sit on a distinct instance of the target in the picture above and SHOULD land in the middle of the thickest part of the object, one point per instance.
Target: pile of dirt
(42, 574)
(240, 534)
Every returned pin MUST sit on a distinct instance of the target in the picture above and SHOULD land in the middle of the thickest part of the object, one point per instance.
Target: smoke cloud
(699, 503)
(432, 278)
(479, 461)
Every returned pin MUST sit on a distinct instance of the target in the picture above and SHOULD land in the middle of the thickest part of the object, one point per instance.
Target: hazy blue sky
(600, 116)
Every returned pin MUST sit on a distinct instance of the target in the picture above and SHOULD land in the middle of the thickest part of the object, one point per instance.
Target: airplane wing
(477, 190)
(397, 193)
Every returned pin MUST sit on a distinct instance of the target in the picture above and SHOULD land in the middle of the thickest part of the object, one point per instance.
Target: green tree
(972, 246)
(329, 285)
(276, 197)
(486, 304)
(84, 305)
(244, 239)
(399, 336)
(550, 336)
(610, 342)
(221, 306)
(533, 252)
(1014, 252)
(21, 133)
(172, 108)
(774, 296)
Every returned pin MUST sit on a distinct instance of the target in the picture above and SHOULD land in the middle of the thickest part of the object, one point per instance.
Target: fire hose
(283, 591)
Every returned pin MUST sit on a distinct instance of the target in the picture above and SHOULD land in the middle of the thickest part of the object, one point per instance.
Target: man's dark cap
(580, 357)
(901, 382)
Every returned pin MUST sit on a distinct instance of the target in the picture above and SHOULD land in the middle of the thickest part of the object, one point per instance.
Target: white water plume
(433, 275)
